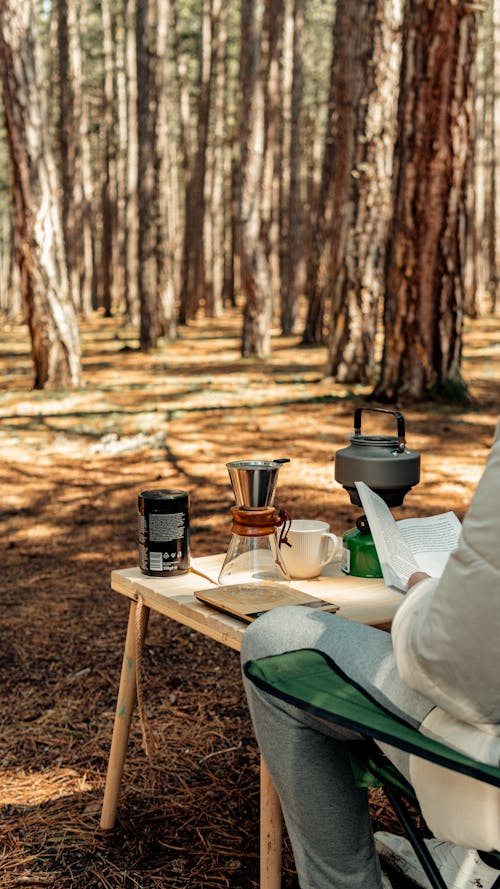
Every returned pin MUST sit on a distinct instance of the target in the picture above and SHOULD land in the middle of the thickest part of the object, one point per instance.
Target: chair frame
(379, 771)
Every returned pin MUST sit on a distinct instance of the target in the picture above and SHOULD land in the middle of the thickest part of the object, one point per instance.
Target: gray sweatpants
(325, 813)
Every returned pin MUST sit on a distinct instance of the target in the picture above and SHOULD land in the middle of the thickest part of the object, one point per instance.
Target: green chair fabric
(314, 682)
(311, 680)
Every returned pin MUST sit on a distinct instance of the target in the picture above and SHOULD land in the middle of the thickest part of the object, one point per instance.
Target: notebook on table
(247, 601)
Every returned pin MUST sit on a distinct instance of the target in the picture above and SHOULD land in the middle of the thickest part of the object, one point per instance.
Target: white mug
(312, 547)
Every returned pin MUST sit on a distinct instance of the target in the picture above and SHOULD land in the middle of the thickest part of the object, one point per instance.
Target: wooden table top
(365, 600)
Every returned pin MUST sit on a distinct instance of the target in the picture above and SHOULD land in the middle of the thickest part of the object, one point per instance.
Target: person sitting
(443, 652)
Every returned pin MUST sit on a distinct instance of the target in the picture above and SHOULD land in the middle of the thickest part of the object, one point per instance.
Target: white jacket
(446, 639)
(446, 633)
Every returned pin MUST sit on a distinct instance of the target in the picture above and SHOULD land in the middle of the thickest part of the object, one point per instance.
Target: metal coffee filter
(254, 481)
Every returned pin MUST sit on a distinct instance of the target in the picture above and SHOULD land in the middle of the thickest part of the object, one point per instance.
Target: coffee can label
(163, 532)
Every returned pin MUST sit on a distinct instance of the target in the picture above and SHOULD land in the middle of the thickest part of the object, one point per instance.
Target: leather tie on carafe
(255, 521)
(286, 521)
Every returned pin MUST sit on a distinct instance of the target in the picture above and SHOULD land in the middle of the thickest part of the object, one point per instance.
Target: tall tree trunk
(108, 178)
(255, 278)
(121, 165)
(313, 151)
(337, 144)
(231, 255)
(193, 264)
(424, 278)
(484, 257)
(185, 136)
(291, 204)
(173, 191)
(475, 260)
(217, 209)
(83, 179)
(147, 195)
(361, 219)
(272, 50)
(68, 131)
(494, 222)
(132, 208)
(182, 159)
(38, 236)
(166, 185)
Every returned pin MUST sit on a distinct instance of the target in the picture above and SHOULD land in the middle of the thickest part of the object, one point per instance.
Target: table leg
(270, 832)
(123, 716)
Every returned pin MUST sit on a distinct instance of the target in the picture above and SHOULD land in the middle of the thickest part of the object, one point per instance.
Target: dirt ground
(72, 465)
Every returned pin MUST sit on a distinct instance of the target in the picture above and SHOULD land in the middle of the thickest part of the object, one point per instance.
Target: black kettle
(383, 462)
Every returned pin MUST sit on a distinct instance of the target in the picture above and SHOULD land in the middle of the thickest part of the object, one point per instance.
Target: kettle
(383, 462)
(390, 469)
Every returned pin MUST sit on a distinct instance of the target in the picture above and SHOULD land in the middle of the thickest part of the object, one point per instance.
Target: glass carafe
(253, 555)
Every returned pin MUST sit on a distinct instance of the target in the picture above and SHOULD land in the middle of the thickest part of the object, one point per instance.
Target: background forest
(329, 168)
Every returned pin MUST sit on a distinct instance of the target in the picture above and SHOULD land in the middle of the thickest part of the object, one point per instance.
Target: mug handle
(332, 547)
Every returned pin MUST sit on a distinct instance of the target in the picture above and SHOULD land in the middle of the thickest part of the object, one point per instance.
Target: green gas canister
(359, 556)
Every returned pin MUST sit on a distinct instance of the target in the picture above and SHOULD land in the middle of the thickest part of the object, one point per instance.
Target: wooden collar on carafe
(255, 521)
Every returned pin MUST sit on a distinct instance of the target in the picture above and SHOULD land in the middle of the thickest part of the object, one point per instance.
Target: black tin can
(163, 529)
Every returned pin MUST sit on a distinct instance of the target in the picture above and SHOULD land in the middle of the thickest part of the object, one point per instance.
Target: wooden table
(360, 599)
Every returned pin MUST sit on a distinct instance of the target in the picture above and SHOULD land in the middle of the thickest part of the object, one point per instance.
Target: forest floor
(72, 465)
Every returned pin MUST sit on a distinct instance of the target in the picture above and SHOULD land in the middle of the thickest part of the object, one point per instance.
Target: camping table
(364, 600)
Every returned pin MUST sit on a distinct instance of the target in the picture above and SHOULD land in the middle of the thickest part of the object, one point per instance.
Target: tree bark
(121, 273)
(147, 195)
(108, 177)
(291, 203)
(313, 151)
(193, 264)
(68, 144)
(272, 51)
(85, 262)
(132, 207)
(332, 188)
(166, 185)
(38, 236)
(362, 215)
(495, 169)
(423, 312)
(254, 268)
(217, 216)
(184, 155)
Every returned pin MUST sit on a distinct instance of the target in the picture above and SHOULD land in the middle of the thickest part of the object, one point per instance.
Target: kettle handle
(399, 417)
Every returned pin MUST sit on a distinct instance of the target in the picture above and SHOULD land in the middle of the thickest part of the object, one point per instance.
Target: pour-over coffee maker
(390, 469)
(253, 553)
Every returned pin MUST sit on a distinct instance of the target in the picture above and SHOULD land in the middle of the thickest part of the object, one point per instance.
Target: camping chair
(310, 680)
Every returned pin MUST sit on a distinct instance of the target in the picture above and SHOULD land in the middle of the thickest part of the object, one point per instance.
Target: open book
(411, 544)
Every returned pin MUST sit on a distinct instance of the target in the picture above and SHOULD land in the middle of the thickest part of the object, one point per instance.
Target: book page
(396, 559)
(410, 544)
(431, 540)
